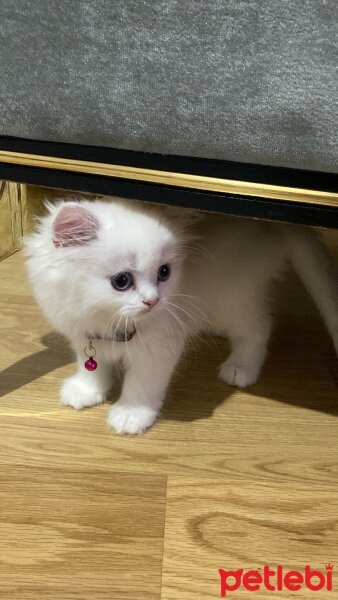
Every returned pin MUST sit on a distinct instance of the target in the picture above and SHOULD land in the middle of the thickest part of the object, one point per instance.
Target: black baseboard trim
(239, 205)
(255, 173)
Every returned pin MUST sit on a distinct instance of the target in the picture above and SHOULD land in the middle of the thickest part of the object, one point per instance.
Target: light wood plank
(213, 524)
(68, 535)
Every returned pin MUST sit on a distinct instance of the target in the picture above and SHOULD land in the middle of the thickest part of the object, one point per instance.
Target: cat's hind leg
(249, 346)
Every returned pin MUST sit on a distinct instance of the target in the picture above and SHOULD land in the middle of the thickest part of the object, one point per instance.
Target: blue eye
(122, 281)
(163, 273)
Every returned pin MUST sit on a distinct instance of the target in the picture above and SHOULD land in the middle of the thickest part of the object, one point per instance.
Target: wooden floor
(227, 479)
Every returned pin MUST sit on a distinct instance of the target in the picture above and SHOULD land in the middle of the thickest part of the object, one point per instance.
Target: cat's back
(232, 256)
(232, 241)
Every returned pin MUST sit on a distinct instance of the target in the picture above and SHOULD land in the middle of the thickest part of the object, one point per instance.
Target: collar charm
(90, 352)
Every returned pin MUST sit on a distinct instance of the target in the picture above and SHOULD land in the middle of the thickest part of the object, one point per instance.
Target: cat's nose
(151, 302)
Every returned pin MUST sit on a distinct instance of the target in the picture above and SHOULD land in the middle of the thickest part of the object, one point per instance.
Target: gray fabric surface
(245, 80)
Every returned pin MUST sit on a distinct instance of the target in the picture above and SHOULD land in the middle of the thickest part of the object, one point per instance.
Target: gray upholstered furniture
(249, 81)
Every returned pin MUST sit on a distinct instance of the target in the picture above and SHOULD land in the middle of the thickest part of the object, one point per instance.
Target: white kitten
(104, 272)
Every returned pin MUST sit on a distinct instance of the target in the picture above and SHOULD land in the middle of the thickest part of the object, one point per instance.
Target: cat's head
(118, 259)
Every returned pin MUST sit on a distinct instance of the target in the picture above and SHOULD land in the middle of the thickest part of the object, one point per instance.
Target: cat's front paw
(131, 419)
(238, 375)
(76, 394)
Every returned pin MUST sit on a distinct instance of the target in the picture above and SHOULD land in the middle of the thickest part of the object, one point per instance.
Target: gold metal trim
(184, 180)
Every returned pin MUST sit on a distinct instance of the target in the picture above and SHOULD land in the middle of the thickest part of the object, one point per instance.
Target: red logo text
(276, 579)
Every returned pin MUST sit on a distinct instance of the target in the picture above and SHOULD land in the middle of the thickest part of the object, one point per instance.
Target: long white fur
(221, 275)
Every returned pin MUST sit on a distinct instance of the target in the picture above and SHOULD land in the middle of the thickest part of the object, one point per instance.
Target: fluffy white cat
(130, 282)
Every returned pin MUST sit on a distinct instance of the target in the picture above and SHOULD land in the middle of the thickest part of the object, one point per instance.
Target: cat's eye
(163, 273)
(122, 281)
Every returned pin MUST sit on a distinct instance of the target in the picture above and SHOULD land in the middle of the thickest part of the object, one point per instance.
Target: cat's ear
(74, 225)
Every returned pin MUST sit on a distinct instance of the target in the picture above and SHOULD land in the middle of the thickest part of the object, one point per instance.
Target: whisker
(192, 315)
(109, 325)
(141, 339)
(180, 329)
(194, 318)
(195, 334)
(125, 337)
(187, 299)
(188, 334)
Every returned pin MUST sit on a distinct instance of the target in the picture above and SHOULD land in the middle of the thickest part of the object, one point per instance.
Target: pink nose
(151, 302)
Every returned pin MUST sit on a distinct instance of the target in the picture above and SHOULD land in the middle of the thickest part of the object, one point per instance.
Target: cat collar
(90, 350)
